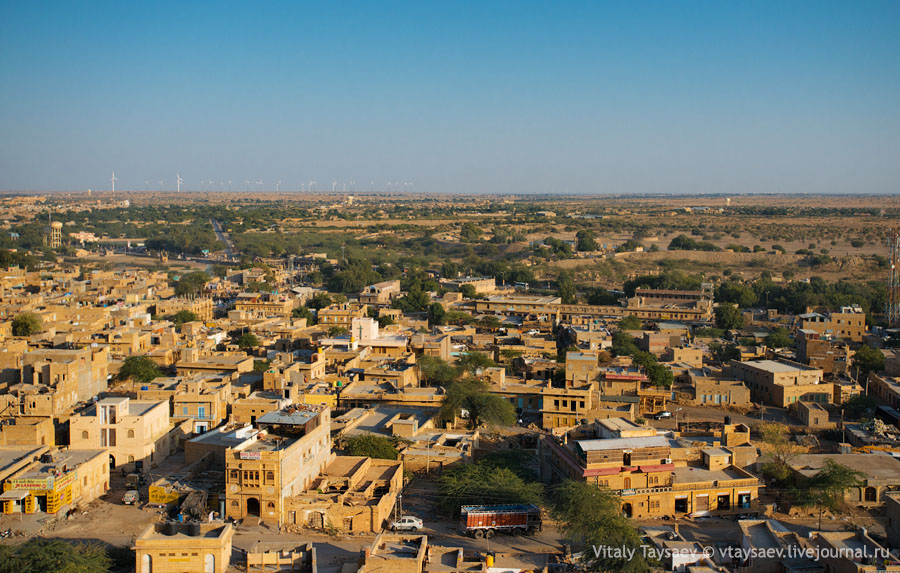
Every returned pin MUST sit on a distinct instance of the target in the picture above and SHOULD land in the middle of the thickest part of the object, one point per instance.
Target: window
(131, 433)
(84, 435)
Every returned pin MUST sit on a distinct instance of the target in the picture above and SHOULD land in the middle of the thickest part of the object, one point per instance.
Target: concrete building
(263, 305)
(58, 480)
(380, 294)
(881, 474)
(176, 548)
(886, 388)
(292, 449)
(202, 307)
(341, 315)
(812, 414)
(782, 383)
(482, 285)
(131, 431)
(352, 494)
(849, 323)
(651, 484)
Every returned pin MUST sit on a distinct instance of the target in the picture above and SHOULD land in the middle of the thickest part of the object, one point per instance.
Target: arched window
(146, 564)
(130, 433)
(84, 435)
(270, 476)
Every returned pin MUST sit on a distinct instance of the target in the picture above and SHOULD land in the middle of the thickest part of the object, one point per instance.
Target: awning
(14, 494)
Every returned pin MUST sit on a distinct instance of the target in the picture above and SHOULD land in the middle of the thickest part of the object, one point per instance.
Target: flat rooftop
(874, 466)
(623, 443)
(693, 475)
(207, 531)
(776, 367)
(12, 456)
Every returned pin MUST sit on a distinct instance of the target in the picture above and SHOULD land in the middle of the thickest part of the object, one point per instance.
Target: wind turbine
(333, 185)
(259, 184)
(312, 186)
(178, 182)
(113, 179)
(278, 186)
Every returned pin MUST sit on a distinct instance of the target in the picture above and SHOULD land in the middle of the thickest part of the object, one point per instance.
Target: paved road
(690, 414)
(223, 238)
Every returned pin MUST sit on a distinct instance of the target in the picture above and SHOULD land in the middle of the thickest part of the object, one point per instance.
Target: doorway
(626, 510)
(253, 506)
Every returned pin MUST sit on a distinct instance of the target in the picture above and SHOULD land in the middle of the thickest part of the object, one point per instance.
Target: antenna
(113, 179)
(892, 308)
(178, 182)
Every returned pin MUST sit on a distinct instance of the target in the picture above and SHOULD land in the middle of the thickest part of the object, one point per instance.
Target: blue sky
(507, 97)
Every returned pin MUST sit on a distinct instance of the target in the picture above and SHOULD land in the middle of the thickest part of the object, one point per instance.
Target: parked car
(131, 497)
(662, 415)
(407, 523)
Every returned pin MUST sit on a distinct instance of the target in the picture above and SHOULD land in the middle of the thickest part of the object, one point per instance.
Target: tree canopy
(379, 447)
(475, 398)
(728, 316)
(26, 324)
(183, 316)
(592, 516)
(40, 555)
(139, 369)
(191, 283)
(485, 482)
(868, 359)
(248, 340)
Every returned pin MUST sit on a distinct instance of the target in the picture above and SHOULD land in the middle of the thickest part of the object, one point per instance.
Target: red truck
(483, 521)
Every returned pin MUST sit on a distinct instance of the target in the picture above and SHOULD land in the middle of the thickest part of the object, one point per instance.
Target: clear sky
(508, 97)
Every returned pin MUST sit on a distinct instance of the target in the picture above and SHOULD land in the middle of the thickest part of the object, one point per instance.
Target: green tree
(261, 365)
(779, 339)
(472, 484)
(319, 300)
(724, 352)
(868, 359)
(591, 515)
(728, 316)
(660, 375)
(470, 233)
(338, 331)
(474, 397)
(737, 293)
(39, 555)
(630, 322)
(826, 489)
(248, 340)
(436, 313)
(139, 369)
(378, 447)
(467, 291)
(303, 312)
(191, 283)
(471, 362)
(777, 451)
(26, 324)
(183, 316)
(566, 285)
(435, 371)
(585, 240)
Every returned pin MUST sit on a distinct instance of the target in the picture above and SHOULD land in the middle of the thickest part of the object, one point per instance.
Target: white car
(407, 523)
(663, 415)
